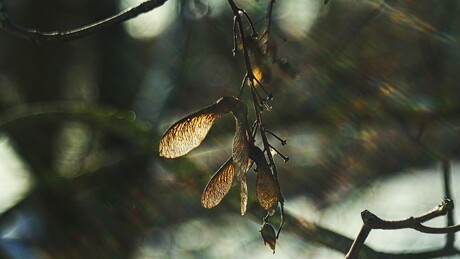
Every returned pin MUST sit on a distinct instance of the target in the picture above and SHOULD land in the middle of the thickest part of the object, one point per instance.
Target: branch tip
(446, 205)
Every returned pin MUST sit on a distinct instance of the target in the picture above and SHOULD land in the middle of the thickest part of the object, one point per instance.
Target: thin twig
(270, 13)
(250, 77)
(282, 141)
(257, 100)
(311, 232)
(359, 242)
(447, 172)
(59, 37)
(371, 221)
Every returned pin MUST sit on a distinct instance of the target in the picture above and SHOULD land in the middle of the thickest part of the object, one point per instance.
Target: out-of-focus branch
(59, 37)
(356, 28)
(371, 221)
(270, 13)
(104, 118)
(312, 232)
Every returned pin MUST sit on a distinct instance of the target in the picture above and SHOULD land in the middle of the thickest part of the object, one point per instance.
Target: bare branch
(312, 232)
(447, 177)
(371, 221)
(359, 242)
(59, 37)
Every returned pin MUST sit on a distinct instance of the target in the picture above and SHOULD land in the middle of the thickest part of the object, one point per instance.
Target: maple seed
(240, 147)
(268, 234)
(267, 188)
(188, 133)
(219, 185)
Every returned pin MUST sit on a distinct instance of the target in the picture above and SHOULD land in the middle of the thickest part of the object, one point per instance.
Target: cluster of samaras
(189, 132)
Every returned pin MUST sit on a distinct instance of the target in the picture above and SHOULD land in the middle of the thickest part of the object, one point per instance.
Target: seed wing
(218, 186)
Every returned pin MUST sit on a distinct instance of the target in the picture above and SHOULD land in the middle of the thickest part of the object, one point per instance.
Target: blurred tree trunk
(40, 73)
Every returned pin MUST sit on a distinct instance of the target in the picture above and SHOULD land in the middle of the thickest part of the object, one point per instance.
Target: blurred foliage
(360, 92)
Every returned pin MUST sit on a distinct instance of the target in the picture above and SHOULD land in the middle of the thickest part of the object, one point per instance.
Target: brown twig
(447, 175)
(371, 221)
(59, 37)
(311, 232)
(252, 81)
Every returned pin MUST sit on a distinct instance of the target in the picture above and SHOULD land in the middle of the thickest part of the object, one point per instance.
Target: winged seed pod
(188, 133)
(267, 188)
(241, 144)
(218, 186)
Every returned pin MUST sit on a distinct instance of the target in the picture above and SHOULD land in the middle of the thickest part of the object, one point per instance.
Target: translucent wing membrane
(267, 188)
(189, 132)
(218, 186)
(186, 134)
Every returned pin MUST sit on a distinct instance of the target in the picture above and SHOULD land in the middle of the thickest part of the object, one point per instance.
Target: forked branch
(371, 221)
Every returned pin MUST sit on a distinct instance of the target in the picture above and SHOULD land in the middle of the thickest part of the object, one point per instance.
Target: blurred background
(366, 96)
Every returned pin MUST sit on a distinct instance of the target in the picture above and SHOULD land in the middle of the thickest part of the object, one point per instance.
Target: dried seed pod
(241, 144)
(267, 187)
(268, 234)
(219, 185)
(189, 132)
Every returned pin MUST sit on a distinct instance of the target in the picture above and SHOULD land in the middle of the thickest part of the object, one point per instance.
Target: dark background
(360, 94)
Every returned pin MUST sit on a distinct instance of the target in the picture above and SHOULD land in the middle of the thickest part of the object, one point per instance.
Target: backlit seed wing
(267, 188)
(244, 195)
(189, 132)
(218, 186)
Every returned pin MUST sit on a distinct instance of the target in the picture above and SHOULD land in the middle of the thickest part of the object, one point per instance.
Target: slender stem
(251, 80)
(447, 174)
(283, 141)
(285, 158)
(59, 37)
(269, 95)
(359, 242)
(245, 79)
(283, 220)
(254, 33)
(269, 16)
(236, 12)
